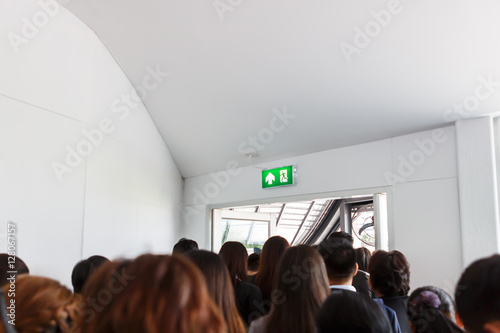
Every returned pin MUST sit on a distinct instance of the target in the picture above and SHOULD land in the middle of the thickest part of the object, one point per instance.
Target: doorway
(304, 222)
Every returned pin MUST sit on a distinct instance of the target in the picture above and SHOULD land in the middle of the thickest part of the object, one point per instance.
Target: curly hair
(42, 304)
(389, 273)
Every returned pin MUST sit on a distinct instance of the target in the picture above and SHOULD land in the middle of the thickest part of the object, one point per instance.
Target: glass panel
(363, 228)
(291, 218)
(252, 234)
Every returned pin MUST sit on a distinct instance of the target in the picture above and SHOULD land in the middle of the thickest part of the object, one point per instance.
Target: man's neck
(342, 282)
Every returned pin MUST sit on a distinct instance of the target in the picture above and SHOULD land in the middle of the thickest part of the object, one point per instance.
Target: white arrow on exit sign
(270, 178)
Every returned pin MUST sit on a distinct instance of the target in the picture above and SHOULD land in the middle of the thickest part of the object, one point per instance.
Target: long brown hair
(42, 304)
(301, 287)
(272, 251)
(235, 256)
(153, 293)
(219, 287)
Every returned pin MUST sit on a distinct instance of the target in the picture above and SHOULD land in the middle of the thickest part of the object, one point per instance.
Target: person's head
(219, 286)
(152, 293)
(253, 263)
(340, 260)
(389, 273)
(348, 311)
(363, 256)
(446, 306)
(83, 269)
(5, 262)
(300, 287)
(478, 296)
(431, 310)
(184, 245)
(235, 256)
(42, 305)
(270, 256)
(341, 235)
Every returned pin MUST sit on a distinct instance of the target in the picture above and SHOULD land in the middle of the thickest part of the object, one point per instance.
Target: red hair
(153, 293)
(42, 304)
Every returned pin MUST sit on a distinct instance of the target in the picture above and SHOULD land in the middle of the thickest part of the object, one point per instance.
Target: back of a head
(363, 256)
(300, 287)
(348, 311)
(219, 286)
(253, 262)
(10, 263)
(447, 305)
(478, 294)
(389, 273)
(42, 304)
(235, 256)
(339, 257)
(341, 235)
(270, 256)
(151, 293)
(425, 311)
(184, 245)
(83, 269)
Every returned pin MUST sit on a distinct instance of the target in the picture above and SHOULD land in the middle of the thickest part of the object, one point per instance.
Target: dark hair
(348, 311)
(272, 251)
(83, 269)
(253, 262)
(301, 286)
(235, 256)
(219, 286)
(425, 311)
(42, 305)
(389, 273)
(185, 245)
(339, 257)
(363, 256)
(478, 294)
(151, 293)
(447, 306)
(341, 234)
(19, 266)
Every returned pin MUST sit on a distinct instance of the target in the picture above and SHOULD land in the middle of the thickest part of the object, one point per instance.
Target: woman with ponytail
(431, 310)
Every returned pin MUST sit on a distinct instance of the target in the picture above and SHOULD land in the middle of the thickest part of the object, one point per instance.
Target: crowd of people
(329, 287)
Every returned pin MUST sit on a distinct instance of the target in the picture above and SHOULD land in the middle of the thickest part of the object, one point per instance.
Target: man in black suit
(340, 262)
(341, 268)
(360, 279)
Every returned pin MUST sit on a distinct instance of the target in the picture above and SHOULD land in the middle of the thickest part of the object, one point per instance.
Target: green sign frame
(277, 177)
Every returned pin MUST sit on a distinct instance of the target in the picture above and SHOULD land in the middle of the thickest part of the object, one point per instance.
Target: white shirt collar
(350, 288)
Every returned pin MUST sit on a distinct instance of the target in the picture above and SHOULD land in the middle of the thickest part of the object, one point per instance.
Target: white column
(381, 223)
(477, 183)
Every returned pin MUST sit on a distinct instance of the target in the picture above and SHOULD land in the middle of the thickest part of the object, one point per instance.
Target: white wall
(124, 197)
(424, 219)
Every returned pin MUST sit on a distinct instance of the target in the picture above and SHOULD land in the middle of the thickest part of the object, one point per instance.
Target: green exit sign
(278, 177)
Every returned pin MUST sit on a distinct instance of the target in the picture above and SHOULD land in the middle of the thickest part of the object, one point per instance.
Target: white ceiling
(227, 76)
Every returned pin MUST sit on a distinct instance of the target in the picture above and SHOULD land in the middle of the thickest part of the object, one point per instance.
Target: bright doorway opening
(304, 222)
